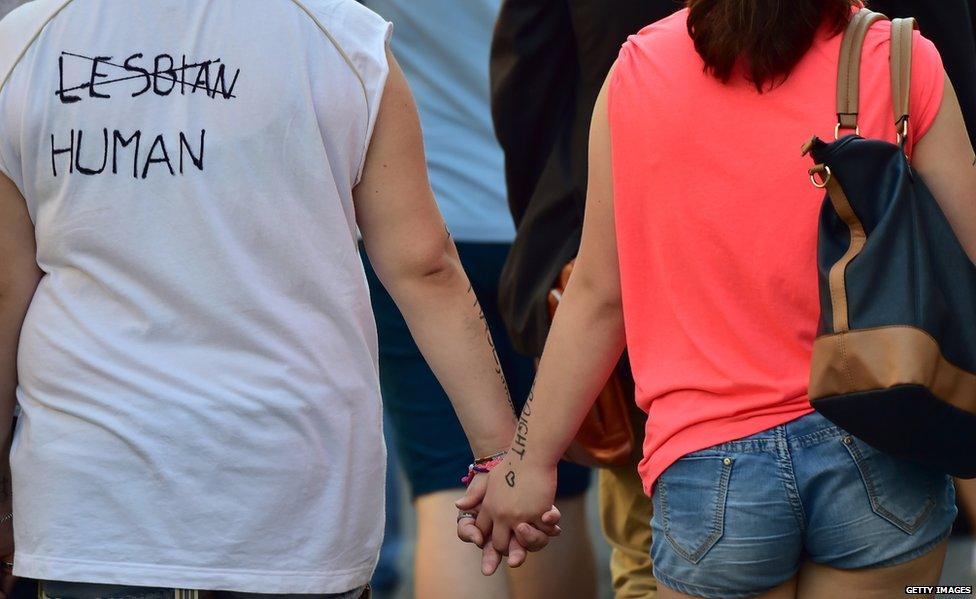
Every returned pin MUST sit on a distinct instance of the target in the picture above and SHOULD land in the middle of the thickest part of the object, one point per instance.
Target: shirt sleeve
(12, 43)
(928, 86)
(18, 31)
(364, 37)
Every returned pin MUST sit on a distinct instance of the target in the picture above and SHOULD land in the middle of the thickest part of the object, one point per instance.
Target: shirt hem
(188, 577)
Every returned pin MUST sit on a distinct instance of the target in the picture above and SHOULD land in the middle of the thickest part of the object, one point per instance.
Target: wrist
(536, 456)
(483, 465)
(532, 460)
(488, 445)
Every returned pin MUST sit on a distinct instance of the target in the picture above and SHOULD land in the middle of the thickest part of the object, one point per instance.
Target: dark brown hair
(766, 37)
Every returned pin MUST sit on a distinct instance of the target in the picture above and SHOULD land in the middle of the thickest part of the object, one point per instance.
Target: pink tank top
(716, 224)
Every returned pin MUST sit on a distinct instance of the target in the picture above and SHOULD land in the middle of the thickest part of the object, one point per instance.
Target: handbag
(894, 362)
(606, 438)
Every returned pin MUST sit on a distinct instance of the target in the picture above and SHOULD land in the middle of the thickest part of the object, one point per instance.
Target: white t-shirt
(198, 370)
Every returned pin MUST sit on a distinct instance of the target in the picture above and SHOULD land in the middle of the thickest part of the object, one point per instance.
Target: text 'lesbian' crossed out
(100, 78)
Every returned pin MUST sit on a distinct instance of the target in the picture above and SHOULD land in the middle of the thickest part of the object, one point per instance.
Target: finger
(473, 496)
(490, 559)
(553, 516)
(552, 530)
(499, 538)
(484, 524)
(516, 554)
(469, 533)
(530, 537)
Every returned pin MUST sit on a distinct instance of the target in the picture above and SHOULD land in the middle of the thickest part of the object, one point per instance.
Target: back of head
(765, 38)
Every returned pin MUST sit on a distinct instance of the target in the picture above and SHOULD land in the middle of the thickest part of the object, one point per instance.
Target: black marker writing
(83, 154)
(162, 80)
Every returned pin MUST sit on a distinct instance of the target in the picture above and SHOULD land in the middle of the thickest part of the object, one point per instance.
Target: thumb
(472, 497)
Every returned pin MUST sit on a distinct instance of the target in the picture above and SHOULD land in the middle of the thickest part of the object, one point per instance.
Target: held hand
(528, 536)
(469, 533)
(517, 512)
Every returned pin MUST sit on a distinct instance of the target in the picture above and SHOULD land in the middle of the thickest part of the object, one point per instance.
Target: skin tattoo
(510, 479)
(522, 428)
(491, 343)
(494, 354)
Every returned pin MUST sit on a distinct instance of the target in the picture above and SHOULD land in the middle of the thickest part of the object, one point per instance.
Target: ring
(465, 515)
(7, 565)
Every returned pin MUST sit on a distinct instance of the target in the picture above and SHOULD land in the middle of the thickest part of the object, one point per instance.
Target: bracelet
(483, 466)
(6, 517)
(492, 457)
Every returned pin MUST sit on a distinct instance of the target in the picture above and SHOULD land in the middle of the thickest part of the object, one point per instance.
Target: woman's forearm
(587, 334)
(450, 329)
(408, 245)
(584, 345)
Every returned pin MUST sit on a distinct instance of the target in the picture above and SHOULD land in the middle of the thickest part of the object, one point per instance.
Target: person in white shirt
(184, 316)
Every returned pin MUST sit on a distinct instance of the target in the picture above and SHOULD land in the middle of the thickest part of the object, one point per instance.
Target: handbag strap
(901, 73)
(849, 69)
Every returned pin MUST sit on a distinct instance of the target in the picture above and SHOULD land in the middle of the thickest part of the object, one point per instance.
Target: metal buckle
(857, 130)
(902, 134)
(824, 171)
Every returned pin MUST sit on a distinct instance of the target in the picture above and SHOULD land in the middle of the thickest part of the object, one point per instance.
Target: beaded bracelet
(483, 466)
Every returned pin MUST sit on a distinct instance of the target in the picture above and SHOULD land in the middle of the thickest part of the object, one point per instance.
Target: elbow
(423, 266)
(601, 297)
(437, 270)
(609, 309)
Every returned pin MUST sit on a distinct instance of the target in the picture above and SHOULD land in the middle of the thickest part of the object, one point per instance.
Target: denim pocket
(901, 492)
(690, 497)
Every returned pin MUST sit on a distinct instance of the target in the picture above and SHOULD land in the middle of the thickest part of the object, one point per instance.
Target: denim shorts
(84, 590)
(738, 519)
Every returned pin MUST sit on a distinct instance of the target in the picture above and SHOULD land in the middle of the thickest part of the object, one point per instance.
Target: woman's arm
(413, 254)
(944, 158)
(19, 277)
(586, 341)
